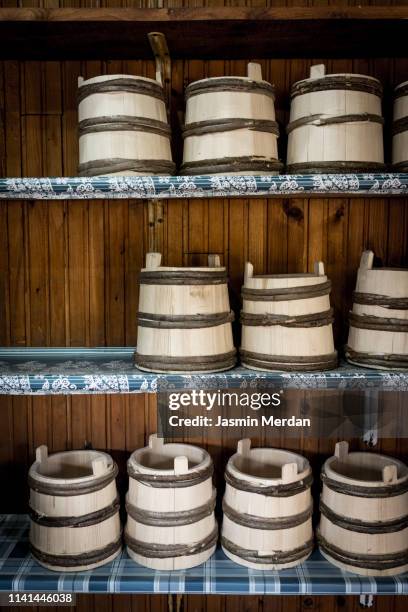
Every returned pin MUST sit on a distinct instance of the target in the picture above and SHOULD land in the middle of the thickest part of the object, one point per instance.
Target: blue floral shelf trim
(20, 572)
(47, 371)
(154, 187)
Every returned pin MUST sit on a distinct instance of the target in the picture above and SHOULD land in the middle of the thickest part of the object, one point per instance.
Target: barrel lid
(338, 81)
(364, 469)
(103, 78)
(70, 467)
(401, 90)
(229, 84)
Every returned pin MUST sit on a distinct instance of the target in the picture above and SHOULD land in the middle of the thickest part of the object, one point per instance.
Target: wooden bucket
(364, 513)
(378, 336)
(230, 126)
(184, 321)
(287, 321)
(74, 509)
(400, 129)
(335, 124)
(170, 505)
(123, 126)
(267, 508)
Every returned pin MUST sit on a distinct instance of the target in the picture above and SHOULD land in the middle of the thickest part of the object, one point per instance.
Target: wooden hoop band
(373, 299)
(375, 562)
(86, 520)
(280, 557)
(145, 88)
(272, 524)
(184, 321)
(226, 165)
(123, 123)
(391, 361)
(390, 490)
(322, 120)
(335, 167)
(196, 277)
(377, 323)
(169, 481)
(214, 126)
(100, 167)
(229, 85)
(318, 319)
(280, 490)
(171, 519)
(361, 526)
(400, 91)
(197, 363)
(80, 488)
(89, 558)
(349, 83)
(166, 551)
(289, 364)
(287, 294)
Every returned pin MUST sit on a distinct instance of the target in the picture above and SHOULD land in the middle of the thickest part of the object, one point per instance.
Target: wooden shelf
(210, 33)
(182, 187)
(20, 572)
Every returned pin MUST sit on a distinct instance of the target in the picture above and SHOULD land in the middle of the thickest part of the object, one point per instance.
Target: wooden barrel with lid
(74, 509)
(184, 320)
(230, 126)
(364, 513)
(267, 508)
(287, 321)
(378, 335)
(123, 126)
(335, 124)
(170, 506)
(400, 129)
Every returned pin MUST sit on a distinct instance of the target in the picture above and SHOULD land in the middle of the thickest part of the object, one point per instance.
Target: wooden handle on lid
(80, 80)
(248, 271)
(318, 268)
(244, 446)
(367, 260)
(99, 466)
(153, 260)
(41, 453)
(155, 443)
(341, 450)
(390, 473)
(317, 71)
(180, 465)
(254, 71)
(214, 261)
(289, 472)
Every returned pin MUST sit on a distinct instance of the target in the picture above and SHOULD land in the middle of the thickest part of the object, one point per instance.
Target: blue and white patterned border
(20, 572)
(66, 371)
(164, 187)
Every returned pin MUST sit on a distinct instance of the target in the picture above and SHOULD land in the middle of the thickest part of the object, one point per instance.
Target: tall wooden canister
(267, 508)
(230, 126)
(400, 129)
(74, 509)
(364, 513)
(335, 124)
(378, 336)
(184, 321)
(170, 506)
(123, 126)
(287, 321)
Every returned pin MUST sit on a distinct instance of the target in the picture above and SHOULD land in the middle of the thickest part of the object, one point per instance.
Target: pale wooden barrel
(74, 509)
(230, 126)
(184, 320)
(364, 513)
(170, 506)
(267, 508)
(400, 129)
(287, 321)
(335, 124)
(123, 126)
(378, 336)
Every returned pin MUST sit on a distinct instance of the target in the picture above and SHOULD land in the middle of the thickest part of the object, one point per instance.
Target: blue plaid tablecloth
(20, 572)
